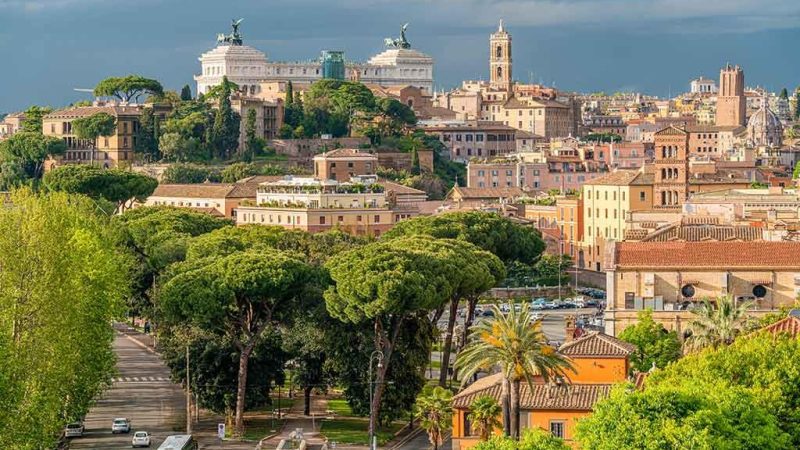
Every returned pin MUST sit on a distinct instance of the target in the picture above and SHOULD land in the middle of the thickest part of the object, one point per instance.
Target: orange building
(344, 163)
(599, 361)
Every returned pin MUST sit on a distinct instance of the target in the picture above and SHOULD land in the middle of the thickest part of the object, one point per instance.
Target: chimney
(569, 327)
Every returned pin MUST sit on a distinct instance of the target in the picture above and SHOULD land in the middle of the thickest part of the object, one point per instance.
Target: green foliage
(181, 173)
(520, 274)
(434, 411)
(225, 132)
(489, 231)
(146, 142)
(655, 346)
(515, 343)
(237, 171)
(186, 93)
(602, 137)
(23, 154)
(797, 104)
(796, 172)
(758, 185)
(33, 118)
(63, 280)
(159, 236)
(127, 88)
(784, 94)
(94, 126)
(550, 269)
(532, 439)
(117, 186)
(484, 413)
(682, 416)
(718, 323)
(764, 366)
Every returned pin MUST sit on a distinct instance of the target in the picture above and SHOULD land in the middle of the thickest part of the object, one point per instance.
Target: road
(141, 392)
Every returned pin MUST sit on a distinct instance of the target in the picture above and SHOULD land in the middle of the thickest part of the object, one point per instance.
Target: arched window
(663, 173)
(499, 73)
(498, 52)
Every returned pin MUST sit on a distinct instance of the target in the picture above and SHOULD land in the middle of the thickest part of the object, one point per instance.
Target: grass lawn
(257, 429)
(436, 364)
(354, 431)
(340, 407)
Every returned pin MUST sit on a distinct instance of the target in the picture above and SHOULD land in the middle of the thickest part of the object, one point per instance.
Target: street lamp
(376, 355)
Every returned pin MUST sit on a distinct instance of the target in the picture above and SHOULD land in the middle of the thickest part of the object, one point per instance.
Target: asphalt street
(142, 393)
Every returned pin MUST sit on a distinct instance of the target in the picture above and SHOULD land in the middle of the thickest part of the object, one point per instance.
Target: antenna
(83, 90)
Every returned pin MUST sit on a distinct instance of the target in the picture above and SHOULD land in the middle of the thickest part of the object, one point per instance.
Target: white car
(140, 439)
(74, 429)
(121, 425)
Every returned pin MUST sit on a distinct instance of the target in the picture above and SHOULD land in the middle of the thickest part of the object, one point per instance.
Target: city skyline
(577, 46)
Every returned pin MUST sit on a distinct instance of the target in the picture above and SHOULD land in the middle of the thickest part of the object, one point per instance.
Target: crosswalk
(139, 379)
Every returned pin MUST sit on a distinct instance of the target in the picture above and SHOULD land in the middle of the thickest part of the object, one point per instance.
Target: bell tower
(500, 59)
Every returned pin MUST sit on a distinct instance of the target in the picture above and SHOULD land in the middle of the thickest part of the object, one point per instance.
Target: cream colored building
(606, 203)
(360, 206)
(672, 278)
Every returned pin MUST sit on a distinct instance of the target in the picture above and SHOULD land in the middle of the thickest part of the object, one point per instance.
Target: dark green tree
(147, 136)
(33, 118)
(92, 127)
(180, 173)
(186, 93)
(552, 269)
(784, 94)
(225, 133)
(797, 104)
(26, 152)
(116, 186)
(655, 346)
(238, 171)
(241, 296)
(253, 145)
(128, 88)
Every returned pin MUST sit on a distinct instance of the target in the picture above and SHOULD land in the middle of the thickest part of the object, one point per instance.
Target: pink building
(622, 155)
(480, 139)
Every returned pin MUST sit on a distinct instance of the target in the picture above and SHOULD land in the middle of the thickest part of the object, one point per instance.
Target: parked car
(505, 307)
(74, 429)
(140, 439)
(536, 316)
(121, 425)
(487, 313)
(553, 304)
(517, 307)
(539, 304)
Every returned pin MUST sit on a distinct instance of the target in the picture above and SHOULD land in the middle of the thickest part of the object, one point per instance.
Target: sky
(49, 47)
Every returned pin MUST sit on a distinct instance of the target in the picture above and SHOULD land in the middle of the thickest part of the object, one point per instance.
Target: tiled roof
(581, 397)
(789, 325)
(597, 344)
(85, 111)
(705, 232)
(617, 178)
(711, 254)
(487, 193)
(397, 188)
(258, 179)
(348, 153)
(201, 190)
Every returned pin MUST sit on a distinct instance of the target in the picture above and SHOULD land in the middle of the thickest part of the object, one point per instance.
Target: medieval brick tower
(730, 100)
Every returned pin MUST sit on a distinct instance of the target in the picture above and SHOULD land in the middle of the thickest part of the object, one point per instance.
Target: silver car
(121, 425)
(74, 429)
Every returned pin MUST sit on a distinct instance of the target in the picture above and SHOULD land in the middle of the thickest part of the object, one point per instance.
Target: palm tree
(516, 344)
(435, 412)
(483, 412)
(716, 324)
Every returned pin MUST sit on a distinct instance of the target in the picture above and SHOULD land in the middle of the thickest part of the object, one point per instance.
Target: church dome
(764, 127)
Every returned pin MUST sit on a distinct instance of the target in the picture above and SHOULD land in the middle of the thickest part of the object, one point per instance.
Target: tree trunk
(448, 342)
(307, 400)
(437, 314)
(244, 358)
(505, 405)
(386, 346)
(469, 318)
(515, 403)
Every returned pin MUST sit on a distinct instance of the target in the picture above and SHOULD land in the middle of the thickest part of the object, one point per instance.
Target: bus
(179, 442)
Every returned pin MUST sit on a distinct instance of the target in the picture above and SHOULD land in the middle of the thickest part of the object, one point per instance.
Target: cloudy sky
(49, 47)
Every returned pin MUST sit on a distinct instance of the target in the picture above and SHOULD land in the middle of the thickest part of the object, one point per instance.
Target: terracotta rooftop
(347, 153)
(596, 344)
(85, 111)
(789, 325)
(581, 397)
(401, 189)
(205, 190)
(617, 178)
(486, 193)
(705, 232)
(707, 254)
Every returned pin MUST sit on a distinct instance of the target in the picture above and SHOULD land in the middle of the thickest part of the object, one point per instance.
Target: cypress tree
(186, 93)
(251, 142)
(784, 94)
(289, 94)
(225, 135)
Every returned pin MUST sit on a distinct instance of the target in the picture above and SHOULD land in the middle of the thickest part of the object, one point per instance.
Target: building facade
(465, 140)
(344, 164)
(731, 102)
(672, 278)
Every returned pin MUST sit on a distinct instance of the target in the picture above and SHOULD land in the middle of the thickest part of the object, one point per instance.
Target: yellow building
(672, 278)
(606, 202)
(110, 151)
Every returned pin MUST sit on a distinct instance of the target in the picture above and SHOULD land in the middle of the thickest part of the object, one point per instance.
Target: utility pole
(188, 396)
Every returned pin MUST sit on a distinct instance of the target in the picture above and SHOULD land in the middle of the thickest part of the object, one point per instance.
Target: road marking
(140, 379)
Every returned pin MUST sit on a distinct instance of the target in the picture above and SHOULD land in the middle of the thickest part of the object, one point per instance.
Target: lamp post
(376, 355)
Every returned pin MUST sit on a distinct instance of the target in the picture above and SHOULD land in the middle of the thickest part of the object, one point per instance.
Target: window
(641, 196)
(481, 173)
(377, 219)
(557, 428)
(340, 218)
